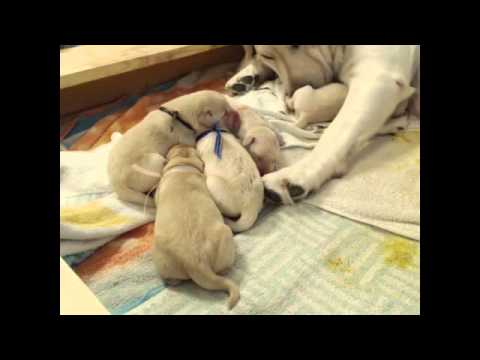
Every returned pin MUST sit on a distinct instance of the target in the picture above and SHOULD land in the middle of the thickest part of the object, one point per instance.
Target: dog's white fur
(379, 79)
(149, 140)
(191, 239)
(233, 180)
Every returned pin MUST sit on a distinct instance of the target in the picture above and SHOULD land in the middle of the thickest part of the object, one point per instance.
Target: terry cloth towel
(382, 187)
(300, 260)
(90, 213)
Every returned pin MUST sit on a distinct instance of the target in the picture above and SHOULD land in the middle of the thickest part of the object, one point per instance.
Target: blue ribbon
(218, 141)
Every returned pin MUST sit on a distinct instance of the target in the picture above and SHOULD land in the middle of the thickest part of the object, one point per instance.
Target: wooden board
(108, 88)
(85, 63)
(75, 297)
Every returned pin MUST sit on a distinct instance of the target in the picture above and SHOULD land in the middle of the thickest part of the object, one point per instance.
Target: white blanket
(90, 214)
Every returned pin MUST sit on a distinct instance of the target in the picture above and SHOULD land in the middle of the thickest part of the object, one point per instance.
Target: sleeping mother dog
(383, 81)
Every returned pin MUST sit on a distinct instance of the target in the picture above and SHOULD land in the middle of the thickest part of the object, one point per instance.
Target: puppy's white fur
(145, 175)
(150, 139)
(260, 139)
(317, 105)
(234, 181)
(191, 239)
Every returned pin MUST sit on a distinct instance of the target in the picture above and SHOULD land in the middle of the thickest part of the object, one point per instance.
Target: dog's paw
(286, 185)
(242, 83)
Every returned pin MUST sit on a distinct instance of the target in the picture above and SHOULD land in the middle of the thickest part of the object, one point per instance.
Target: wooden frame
(91, 75)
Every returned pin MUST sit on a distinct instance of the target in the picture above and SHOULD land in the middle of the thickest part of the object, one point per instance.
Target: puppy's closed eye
(248, 141)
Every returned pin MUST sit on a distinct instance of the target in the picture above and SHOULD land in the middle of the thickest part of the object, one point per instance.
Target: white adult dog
(381, 79)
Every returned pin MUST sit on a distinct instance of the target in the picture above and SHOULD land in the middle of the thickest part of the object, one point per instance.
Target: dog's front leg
(369, 103)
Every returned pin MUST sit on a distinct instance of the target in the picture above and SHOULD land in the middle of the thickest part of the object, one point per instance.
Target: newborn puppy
(233, 180)
(317, 105)
(148, 141)
(260, 139)
(191, 239)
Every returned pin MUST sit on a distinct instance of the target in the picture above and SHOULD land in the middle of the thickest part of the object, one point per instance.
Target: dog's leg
(370, 102)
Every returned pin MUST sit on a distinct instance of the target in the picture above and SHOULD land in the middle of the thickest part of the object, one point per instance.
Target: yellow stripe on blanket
(92, 215)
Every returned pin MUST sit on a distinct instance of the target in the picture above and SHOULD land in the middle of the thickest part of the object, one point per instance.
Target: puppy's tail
(203, 275)
(127, 194)
(250, 212)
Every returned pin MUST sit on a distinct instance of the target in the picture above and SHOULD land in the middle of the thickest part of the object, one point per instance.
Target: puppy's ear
(248, 141)
(205, 118)
(178, 150)
(232, 122)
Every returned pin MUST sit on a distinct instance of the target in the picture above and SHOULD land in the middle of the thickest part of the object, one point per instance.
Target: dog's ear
(248, 140)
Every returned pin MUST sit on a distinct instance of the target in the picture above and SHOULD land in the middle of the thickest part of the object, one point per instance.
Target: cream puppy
(148, 141)
(191, 239)
(233, 180)
(317, 105)
(260, 139)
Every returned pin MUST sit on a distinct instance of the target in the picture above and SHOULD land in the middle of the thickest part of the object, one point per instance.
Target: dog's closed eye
(267, 57)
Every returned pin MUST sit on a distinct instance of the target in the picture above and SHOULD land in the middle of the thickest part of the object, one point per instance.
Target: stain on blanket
(410, 137)
(337, 264)
(399, 252)
(92, 215)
